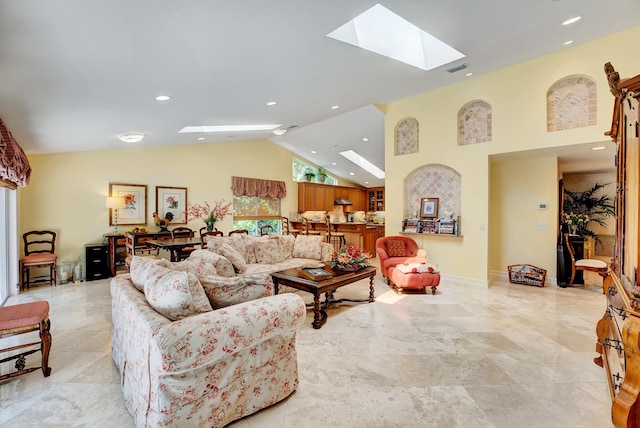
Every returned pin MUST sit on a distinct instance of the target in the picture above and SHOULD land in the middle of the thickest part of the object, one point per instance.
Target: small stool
(410, 276)
(25, 318)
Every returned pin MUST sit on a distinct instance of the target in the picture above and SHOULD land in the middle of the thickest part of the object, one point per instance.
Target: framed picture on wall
(135, 199)
(172, 200)
(429, 207)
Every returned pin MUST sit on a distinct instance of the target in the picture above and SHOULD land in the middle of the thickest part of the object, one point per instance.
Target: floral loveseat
(204, 342)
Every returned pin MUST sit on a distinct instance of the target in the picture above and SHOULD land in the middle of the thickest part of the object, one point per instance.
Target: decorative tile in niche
(432, 181)
(474, 123)
(407, 136)
(571, 103)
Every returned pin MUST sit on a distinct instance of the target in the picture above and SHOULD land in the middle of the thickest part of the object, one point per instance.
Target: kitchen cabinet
(358, 198)
(315, 197)
(375, 199)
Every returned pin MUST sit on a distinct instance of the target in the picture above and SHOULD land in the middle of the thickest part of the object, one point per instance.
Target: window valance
(14, 167)
(243, 186)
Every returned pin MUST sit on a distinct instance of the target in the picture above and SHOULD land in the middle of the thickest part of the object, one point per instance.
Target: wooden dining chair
(287, 229)
(233, 232)
(204, 233)
(592, 265)
(266, 229)
(39, 252)
(183, 232)
(306, 228)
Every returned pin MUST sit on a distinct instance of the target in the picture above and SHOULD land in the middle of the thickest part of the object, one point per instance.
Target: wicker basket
(527, 275)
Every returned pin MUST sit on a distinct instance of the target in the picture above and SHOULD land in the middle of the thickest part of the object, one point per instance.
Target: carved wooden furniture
(174, 246)
(233, 232)
(287, 229)
(266, 229)
(183, 232)
(593, 265)
(334, 238)
(619, 329)
(25, 318)
(39, 252)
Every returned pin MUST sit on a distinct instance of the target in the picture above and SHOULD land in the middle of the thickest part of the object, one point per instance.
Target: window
(299, 169)
(253, 212)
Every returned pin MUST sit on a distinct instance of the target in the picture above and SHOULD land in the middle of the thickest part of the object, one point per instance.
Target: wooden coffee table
(293, 278)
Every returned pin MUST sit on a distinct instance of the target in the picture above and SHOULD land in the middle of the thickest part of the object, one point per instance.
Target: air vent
(458, 68)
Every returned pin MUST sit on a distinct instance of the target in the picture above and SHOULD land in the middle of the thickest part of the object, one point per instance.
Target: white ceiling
(77, 73)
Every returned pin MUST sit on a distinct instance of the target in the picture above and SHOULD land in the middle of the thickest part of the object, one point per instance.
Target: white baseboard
(454, 280)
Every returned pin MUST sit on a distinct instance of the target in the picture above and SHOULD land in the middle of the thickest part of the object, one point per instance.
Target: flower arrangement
(577, 220)
(210, 215)
(350, 258)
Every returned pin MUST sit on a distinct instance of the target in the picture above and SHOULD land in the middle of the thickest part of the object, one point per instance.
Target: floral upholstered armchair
(395, 250)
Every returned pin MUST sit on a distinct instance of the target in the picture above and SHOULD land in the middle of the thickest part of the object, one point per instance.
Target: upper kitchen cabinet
(358, 198)
(315, 197)
(375, 199)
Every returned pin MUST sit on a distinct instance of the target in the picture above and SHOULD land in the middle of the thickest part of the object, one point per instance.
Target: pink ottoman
(414, 275)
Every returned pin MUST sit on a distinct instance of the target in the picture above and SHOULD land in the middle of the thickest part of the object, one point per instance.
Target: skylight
(381, 31)
(363, 163)
(228, 128)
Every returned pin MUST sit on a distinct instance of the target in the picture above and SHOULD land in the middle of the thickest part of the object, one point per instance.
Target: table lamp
(115, 203)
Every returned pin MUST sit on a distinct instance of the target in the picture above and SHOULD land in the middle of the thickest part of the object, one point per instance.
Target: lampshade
(115, 202)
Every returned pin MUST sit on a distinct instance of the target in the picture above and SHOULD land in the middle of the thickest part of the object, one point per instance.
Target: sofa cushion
(224, 292)
(307, 247)
(174, 294)
(234, 256)
(268, 251)
(222, 266)
(139, 267)
(239, 242)
(214, 242)
(196, 265)
(286, 243)
(396, 248)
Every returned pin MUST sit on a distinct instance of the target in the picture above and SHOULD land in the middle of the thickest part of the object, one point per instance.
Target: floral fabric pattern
(224, 292)
(222, 266)
(307, 247)
(286, 243)
(237, 260)
(208, 369)
(268, 251)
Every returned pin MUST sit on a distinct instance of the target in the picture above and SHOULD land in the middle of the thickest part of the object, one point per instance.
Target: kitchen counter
(363, 235)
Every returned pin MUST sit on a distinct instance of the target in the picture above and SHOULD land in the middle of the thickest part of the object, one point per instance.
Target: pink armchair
(395, 250)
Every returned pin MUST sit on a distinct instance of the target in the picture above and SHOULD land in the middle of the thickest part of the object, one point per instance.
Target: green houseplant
(322, 175)
(309, 174)
(593, 208)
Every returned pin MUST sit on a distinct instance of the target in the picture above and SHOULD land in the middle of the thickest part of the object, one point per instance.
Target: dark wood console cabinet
(97, 260)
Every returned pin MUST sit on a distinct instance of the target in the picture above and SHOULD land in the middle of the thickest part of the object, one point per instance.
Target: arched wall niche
(572, 103)
(407, 136)
(474, 123)
(432, 181)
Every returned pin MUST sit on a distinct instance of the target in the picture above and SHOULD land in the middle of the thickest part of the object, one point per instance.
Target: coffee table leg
(372, 289)
(319, 315)
(275, 286)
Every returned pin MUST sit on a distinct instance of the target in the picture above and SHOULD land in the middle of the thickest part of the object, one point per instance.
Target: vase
(210, 226)
(574, 230)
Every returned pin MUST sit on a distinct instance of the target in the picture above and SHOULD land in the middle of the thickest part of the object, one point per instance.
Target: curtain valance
(243, 186)
(14, 167)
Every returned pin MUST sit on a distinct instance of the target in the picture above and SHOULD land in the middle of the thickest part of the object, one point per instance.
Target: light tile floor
(507, 356)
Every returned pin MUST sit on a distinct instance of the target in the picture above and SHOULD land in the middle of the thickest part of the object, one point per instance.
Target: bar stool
(306, 229)
(335, 238)
(287, 229)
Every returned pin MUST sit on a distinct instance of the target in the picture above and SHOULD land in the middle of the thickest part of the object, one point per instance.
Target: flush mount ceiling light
(363, 163)
(228, 128)
(271, 103)
(163, 98)
(279, 131)
(383, 32)
(132, 137)
(598, 148)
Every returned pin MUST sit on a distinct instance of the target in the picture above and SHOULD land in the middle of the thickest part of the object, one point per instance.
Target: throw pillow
(396, 248)
(307, 247)
(224, 292)
(139, 267)
(174, 294)
(268, 252)
(286, 242)
(237, 260)
(197, 266)
(239, 242)
(214, 242)
(222, 266)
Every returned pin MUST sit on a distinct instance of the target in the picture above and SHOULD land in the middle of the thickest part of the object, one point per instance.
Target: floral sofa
(204, 342)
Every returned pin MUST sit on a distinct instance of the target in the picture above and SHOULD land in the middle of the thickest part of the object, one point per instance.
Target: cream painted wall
(517, 188)
(67, 191)
(517, 95)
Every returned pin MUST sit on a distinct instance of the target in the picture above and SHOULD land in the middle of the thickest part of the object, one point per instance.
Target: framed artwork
(172, 200)
(429, 208)
(135, 199)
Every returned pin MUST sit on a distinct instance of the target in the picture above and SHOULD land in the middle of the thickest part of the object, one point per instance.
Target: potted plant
(322, 175)
(308, 175)
(590, 207)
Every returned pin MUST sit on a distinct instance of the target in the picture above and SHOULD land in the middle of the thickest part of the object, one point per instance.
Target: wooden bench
(25, 318)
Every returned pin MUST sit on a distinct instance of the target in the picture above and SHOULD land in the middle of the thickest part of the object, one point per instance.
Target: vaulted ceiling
(75, 74)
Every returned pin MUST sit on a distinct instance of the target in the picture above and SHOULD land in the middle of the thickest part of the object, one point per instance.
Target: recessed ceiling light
(571, 20)
(228, 128)
(334, 107)
(314, 152)
(351, 173)
(568, 42)
(469, 74)
(363, 163)
(333, 163)
(383, 32)
(163, 98)
(365, 139)
(598, 148)
(271, 103)
(200, 138)
(279, 131)
(132, 137)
